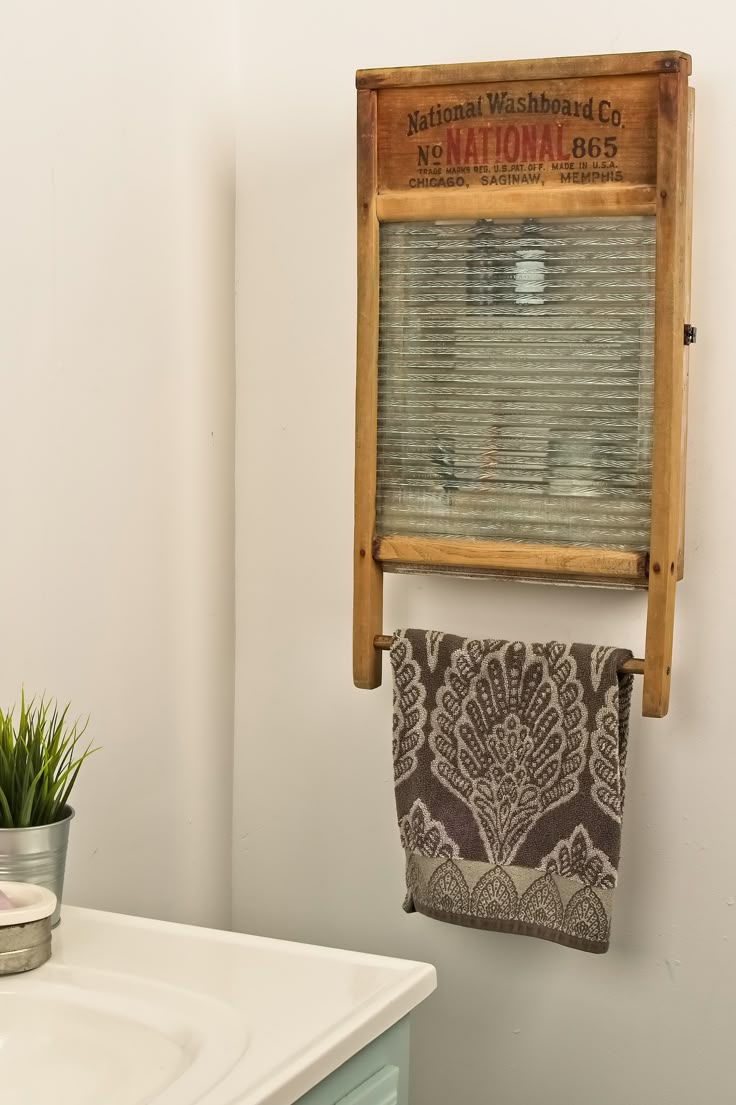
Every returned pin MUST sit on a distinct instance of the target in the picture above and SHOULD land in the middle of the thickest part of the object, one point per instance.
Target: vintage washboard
(523, 299)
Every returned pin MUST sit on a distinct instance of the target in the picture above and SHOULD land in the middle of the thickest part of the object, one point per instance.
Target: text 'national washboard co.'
(502, 103)
(506, 138)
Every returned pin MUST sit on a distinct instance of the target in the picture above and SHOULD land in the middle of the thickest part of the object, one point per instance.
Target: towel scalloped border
(506, 898)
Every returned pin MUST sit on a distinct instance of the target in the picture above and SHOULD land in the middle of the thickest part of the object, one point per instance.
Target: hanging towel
(509, 764)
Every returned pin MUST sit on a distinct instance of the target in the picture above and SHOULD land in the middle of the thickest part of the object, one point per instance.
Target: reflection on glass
(515, 380)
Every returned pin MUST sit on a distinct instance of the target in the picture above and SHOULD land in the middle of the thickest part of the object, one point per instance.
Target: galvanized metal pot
(37, 855)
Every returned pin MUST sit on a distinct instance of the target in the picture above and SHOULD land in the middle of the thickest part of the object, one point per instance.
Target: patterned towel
(509, 765)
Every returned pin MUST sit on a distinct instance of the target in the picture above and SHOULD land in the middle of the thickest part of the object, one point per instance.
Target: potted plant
(40, 759)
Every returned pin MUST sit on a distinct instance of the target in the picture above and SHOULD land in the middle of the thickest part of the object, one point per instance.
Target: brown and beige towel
(509, 764)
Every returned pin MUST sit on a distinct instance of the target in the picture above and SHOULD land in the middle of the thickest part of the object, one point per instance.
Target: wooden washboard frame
(657, 174)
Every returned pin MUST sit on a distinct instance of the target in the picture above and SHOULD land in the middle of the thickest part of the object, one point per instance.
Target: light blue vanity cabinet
(377, 1075)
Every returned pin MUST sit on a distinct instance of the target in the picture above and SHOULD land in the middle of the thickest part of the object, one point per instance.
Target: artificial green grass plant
(39, 763)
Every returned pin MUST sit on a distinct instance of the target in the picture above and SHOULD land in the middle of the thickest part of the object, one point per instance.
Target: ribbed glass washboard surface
(515, 380)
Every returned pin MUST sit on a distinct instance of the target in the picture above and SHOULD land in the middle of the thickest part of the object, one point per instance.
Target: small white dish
(30, 903)
(25, 928)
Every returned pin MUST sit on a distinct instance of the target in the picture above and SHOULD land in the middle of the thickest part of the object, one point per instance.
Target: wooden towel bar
(634, 666)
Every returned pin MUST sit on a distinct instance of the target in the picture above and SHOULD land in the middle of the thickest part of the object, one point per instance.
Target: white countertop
(210, 1017)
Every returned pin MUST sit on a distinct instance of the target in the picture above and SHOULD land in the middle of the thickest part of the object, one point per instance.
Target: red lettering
(471, 153)
(452, 147)
(528, 143)
(562, 155)
(546, 153)
(511, 143)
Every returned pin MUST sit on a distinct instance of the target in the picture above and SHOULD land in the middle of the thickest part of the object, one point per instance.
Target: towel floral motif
(409, 711)
(509, 764)
(578, 858)
(433, 639)
(508, 739)
(606, 763)
(419, 832)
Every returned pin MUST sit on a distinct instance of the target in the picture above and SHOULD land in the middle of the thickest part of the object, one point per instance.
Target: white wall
(515, 1021)
(116, 446)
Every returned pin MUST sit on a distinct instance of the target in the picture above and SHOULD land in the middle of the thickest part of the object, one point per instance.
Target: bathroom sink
(130, 1011)
(81, 1037)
